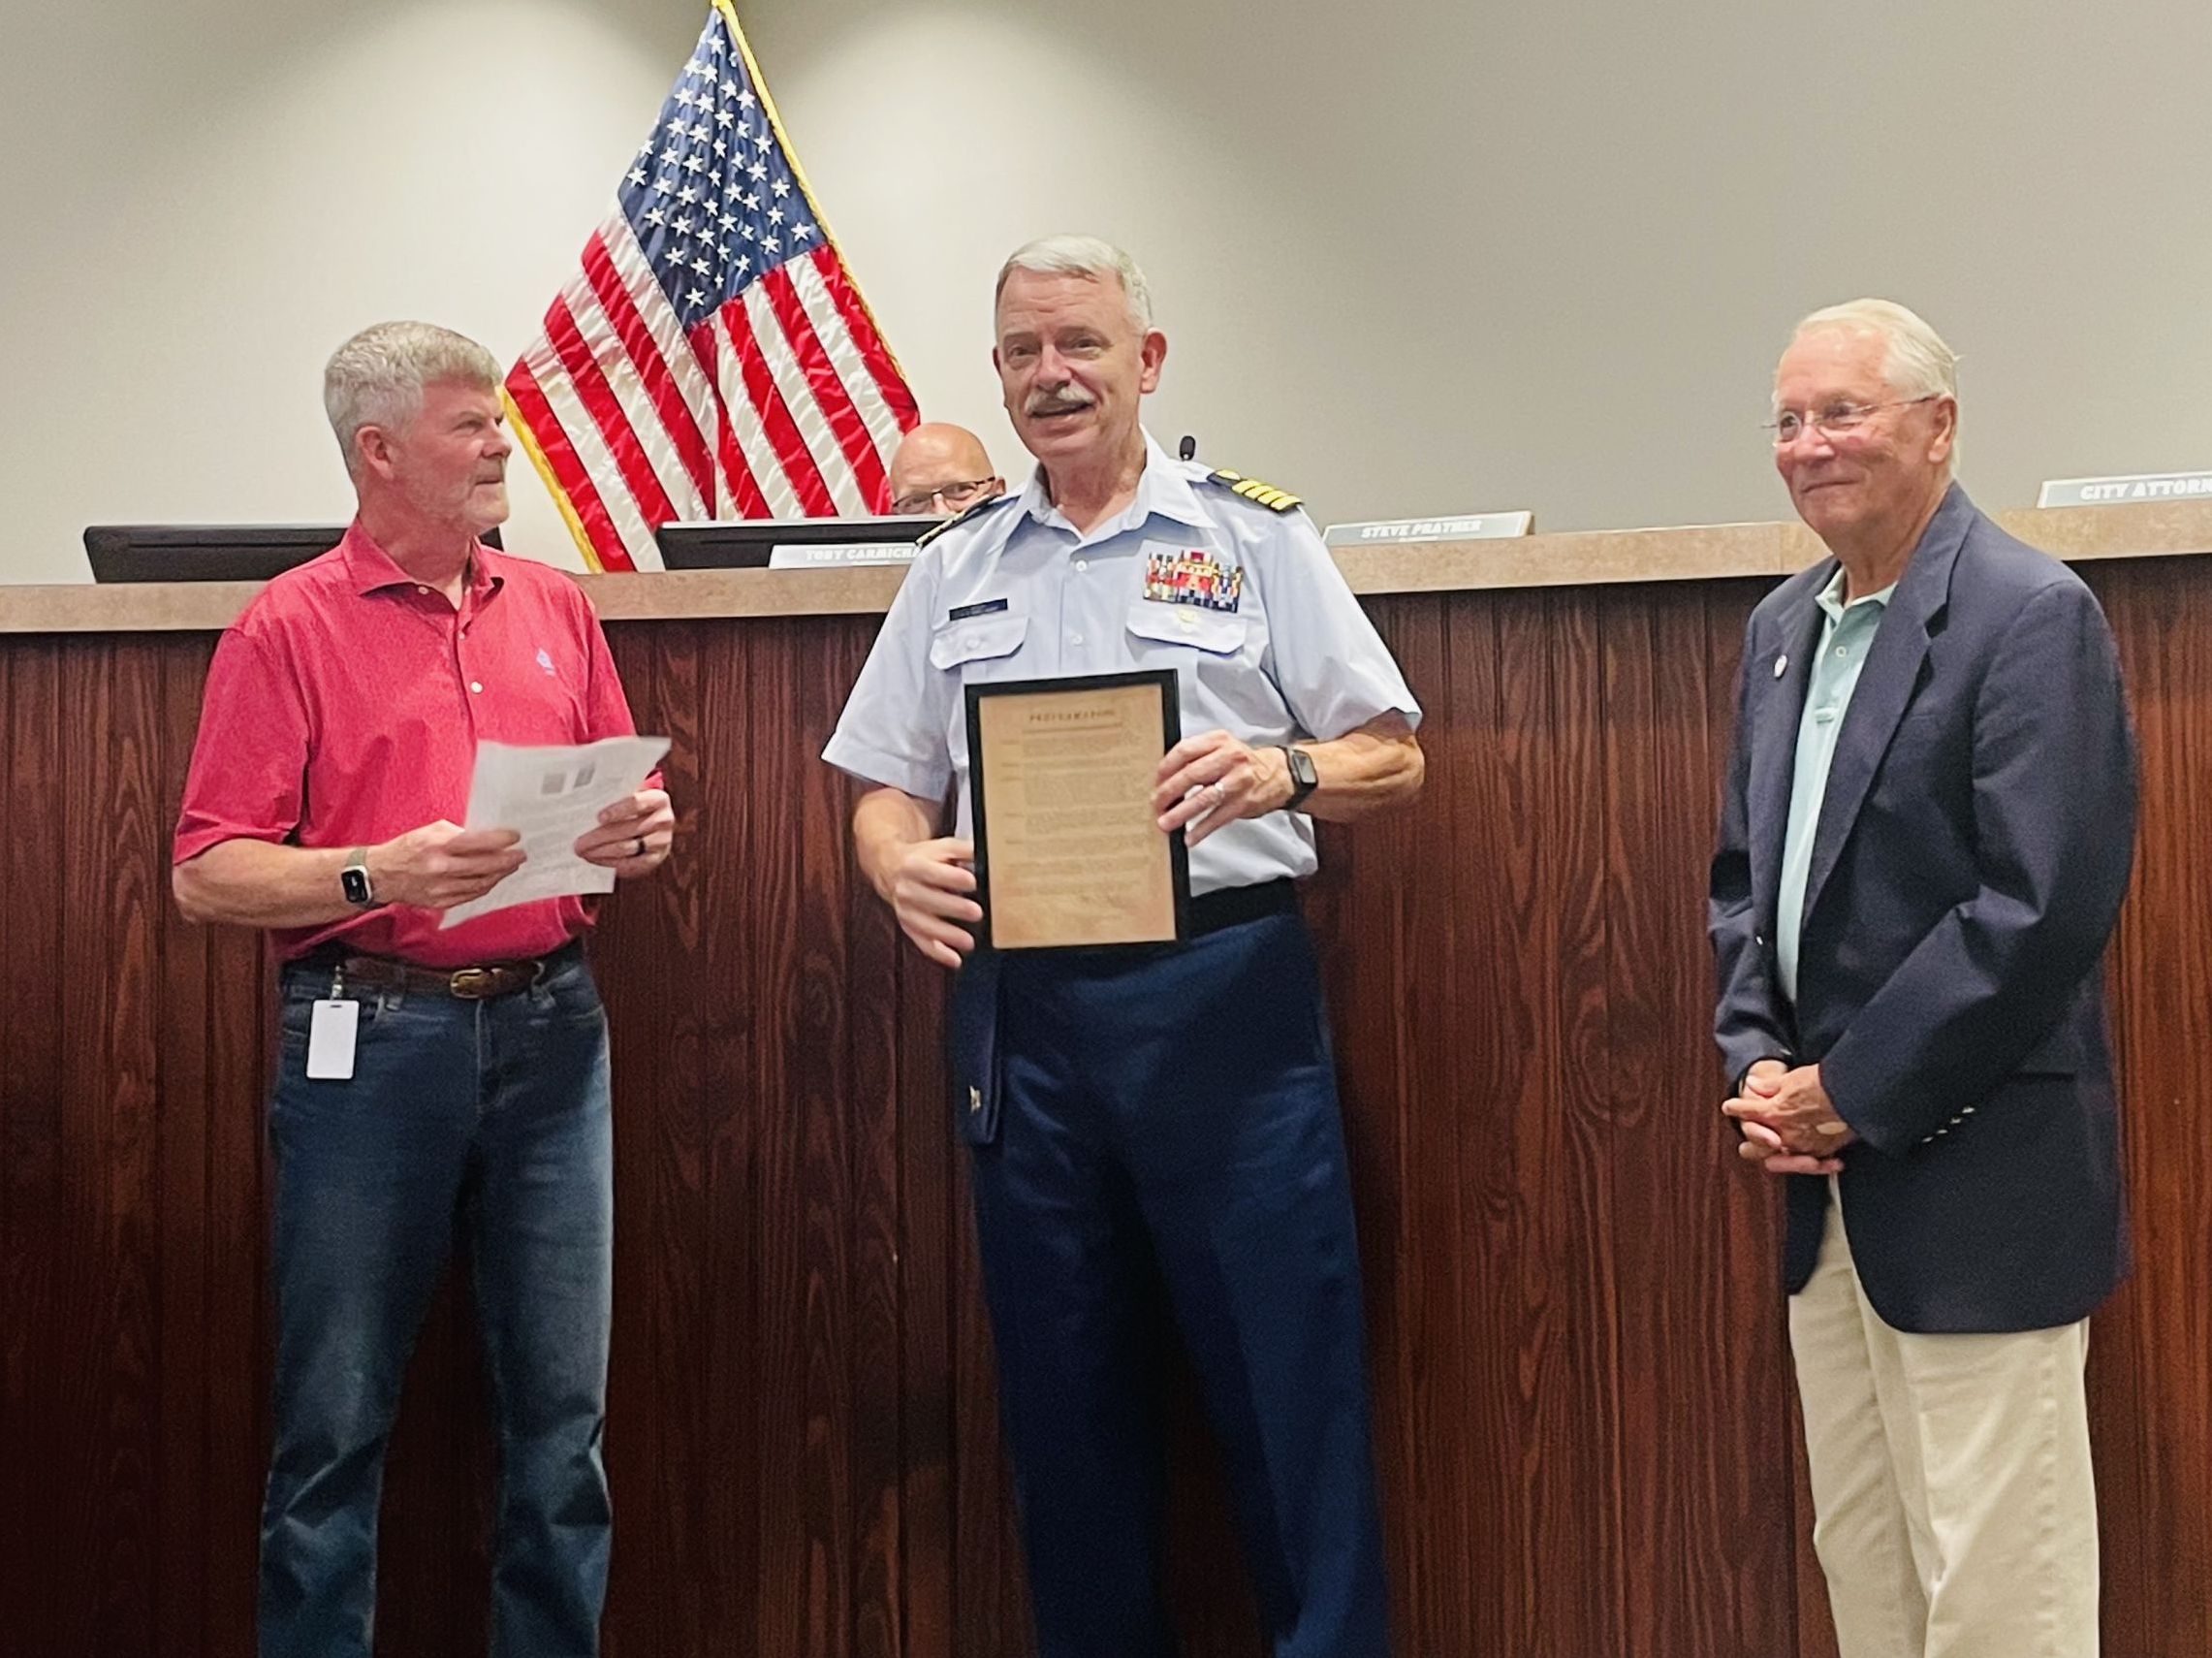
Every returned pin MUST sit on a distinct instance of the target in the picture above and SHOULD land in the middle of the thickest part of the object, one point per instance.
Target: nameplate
(1469, 527)
(817, 555)
(2141, 487)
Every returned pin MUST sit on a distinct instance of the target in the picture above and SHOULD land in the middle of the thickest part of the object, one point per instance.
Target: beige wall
(203, 199)
(1411, 258)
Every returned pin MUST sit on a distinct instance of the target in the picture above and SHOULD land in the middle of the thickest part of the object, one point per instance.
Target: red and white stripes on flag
(712, 357)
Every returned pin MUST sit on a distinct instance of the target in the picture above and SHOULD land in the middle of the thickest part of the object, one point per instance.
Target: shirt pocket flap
(1218, 632)
(977, 639)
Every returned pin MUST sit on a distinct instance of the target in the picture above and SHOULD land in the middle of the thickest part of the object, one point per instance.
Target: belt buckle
(473, 984)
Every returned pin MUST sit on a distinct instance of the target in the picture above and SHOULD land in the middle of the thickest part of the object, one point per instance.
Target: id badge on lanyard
(331, 1030)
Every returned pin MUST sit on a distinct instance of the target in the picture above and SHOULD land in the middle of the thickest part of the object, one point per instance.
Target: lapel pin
(1781, 667)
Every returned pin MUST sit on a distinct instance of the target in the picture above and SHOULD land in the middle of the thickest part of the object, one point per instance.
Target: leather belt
(1234, 905)
(466, 983)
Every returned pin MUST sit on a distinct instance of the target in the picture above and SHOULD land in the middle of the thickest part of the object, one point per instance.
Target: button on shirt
(1018, 593)
(1844, 640)
(344, 708)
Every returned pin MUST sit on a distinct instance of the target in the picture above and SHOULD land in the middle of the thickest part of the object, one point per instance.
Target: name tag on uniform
(330, 1031)
(984, 607)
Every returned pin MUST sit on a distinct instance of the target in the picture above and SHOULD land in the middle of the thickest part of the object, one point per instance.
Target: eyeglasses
(1837, 420)
(952, 494)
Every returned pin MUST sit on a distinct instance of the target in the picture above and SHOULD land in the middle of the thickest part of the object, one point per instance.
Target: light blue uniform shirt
(1844, 640)
(1017, 592)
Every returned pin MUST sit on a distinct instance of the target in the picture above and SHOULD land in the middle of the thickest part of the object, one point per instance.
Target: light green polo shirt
(1845, 637)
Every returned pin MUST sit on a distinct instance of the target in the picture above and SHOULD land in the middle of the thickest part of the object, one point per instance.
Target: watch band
(1304, 778)
(353, 880)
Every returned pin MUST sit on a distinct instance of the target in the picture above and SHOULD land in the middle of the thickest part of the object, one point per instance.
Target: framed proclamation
(1068, 851)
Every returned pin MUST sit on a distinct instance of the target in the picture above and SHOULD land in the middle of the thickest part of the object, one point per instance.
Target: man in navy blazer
(1926, 834)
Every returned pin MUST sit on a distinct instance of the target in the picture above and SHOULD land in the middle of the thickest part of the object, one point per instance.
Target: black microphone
(1187, 449)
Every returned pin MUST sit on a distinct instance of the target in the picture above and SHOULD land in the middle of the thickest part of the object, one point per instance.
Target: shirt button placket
(461, 667)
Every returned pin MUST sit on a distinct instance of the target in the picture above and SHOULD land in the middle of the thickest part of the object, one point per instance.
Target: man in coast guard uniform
(1164, 1118)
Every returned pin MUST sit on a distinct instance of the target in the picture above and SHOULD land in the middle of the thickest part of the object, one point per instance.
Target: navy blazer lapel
(1887, 682)
(1780, 678)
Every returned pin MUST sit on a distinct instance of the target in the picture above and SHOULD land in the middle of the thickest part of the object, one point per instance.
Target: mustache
(1058, 399)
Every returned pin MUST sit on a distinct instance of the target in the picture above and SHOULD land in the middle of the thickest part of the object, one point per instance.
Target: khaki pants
(1955, 1515)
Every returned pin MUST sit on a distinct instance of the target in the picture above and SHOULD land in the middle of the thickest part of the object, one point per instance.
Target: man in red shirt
(456, 1074)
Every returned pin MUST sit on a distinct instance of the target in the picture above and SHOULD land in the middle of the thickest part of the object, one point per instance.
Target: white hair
(1086, 256)
(376, 378)
(1916, 362)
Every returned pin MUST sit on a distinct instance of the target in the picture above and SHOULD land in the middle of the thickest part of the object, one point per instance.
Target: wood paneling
(1584, 1421)
(2151, 1350)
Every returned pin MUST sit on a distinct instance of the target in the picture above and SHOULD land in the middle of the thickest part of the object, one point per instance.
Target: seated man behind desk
(939, 470)
(336, 742)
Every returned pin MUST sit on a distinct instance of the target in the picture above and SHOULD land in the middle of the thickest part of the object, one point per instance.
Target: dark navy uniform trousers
(1168, 1118)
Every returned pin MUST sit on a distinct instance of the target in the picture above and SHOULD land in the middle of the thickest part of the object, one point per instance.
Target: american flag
(712, 358)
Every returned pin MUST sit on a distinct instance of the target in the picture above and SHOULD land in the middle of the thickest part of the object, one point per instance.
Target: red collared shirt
(344, 708)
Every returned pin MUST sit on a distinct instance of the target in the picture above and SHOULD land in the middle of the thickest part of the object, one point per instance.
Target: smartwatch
(353, 880)
(1304, 779)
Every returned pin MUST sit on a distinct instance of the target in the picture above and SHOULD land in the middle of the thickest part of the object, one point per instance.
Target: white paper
(551, 797)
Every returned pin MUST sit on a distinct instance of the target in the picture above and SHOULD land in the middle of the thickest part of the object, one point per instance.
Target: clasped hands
(1790, 1124)
(1202, 784)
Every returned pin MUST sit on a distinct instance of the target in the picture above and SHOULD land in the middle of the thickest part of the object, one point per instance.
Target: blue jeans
(485, 1118)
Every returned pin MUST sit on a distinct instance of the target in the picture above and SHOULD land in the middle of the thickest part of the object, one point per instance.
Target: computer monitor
(790, 543)
(208, 552)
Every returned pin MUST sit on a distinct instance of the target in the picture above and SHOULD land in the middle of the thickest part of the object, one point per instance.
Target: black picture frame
(1166, 682)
